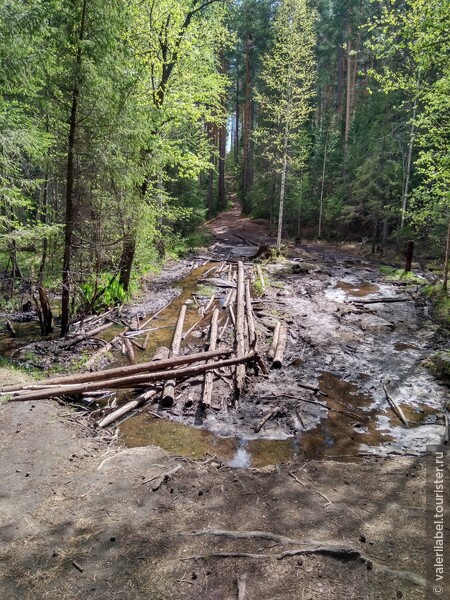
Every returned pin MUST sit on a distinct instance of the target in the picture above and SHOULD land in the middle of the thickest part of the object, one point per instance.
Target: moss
(394, 274)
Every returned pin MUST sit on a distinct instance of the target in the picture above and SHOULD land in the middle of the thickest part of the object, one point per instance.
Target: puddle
(402, 346)
(340, 435)
(26, 332)
(365, 289)
(163, 326)
(194, 443)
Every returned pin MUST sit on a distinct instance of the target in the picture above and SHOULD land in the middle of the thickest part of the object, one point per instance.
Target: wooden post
(169, 389)
(208, 381)
(409, 256)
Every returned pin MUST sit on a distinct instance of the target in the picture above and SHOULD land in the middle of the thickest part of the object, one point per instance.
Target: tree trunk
(221, 200)
(236, 129)
(70, 184)
(408, 173)
(126, 260)
(283, 186)
(349, 90)
(246, 170)
(447, 258)
(322, 187)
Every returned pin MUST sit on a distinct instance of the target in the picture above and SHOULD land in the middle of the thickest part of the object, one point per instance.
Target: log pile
(236, 344)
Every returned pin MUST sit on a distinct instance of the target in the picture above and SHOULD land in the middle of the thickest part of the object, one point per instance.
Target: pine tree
(288, 76)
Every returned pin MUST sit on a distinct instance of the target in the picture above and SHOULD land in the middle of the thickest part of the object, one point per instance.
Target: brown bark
(246, 154)
(126, 260)
(70, 183)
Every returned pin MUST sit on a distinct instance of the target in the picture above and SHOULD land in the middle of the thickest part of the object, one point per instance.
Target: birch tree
(287, 77)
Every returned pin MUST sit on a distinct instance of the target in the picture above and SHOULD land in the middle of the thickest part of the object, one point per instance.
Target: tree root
(325, 548)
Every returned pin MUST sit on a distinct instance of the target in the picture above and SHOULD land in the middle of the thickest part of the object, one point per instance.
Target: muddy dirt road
(318, 504)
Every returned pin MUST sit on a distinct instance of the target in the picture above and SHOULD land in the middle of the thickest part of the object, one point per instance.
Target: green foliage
(103, 292)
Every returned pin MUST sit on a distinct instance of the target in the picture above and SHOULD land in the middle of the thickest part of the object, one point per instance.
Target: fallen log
(281, 347)
(380, 300)
(240, 328)
(129, 350)
(208, 382)
(87, 334)
(210, 303)
(124, 371)
(145, 323)
(249, 312)
(398, 411)
(125, 409)
(168, 395)
(274, 344)
(133, 380)
(218, 282)
(269, 415)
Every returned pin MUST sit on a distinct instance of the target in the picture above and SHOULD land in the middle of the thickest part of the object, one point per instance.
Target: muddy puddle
(195, 443)
(341, 434)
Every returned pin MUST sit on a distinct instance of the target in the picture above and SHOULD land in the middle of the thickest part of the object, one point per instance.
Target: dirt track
(80, 518)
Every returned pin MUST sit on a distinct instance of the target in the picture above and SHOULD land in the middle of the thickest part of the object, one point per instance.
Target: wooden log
(208, 381)
(106, 375)
(145, 323)
(83, 336)
(274, 344)
(229, 298)
(398, 411)
(268, 416)
(380, 300)
(210, 303)
(249, 312)
(126, 409)
(129, 351)
(133, 380)
(281, 347)
(240, 328)
(168, 395)
(10, 328)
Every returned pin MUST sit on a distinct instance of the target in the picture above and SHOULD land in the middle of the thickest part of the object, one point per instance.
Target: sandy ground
(81, 516)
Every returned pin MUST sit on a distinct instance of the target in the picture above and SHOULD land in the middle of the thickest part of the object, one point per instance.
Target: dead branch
(398, 411)
(272, 413)
(160, 479)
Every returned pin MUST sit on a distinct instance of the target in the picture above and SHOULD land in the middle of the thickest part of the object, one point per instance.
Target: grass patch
(394, 274)
(204, 290)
